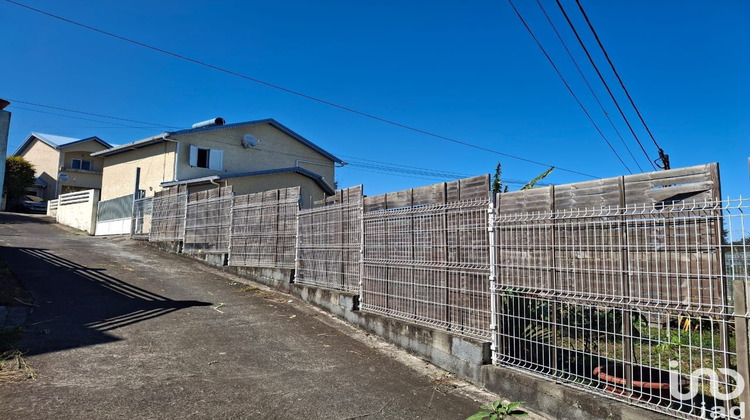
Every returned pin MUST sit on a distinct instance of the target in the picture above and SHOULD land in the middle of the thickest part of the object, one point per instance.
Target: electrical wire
(293, 92)
(606, 85)
(586, 81)
(565, 82)
(664, 158)
(90, 113)
(78, 118)
(363, 164)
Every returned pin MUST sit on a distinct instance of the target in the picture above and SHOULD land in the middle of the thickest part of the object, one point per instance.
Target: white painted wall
(78, 210)
(114, 227)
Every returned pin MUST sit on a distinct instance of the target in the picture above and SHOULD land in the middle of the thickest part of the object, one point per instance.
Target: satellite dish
(248, 140)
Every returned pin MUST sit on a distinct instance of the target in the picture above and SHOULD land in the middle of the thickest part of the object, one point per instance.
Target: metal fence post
(296, 248)
(135, 197)
(741, 334)
(494, 307)
(361, 250)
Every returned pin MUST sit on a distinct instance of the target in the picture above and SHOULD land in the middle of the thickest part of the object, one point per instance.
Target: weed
(498, 410)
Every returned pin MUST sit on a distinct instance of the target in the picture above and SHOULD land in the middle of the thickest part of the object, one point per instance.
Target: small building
(250, 156)
(63, 164)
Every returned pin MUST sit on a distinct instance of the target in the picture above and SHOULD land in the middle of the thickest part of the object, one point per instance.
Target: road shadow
(77, 306)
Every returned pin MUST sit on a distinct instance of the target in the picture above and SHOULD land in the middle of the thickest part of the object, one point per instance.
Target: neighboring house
(63, 164)
(251, 156)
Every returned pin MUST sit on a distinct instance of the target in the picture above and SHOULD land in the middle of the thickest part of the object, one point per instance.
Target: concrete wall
(46, 162)
(156, 163)
(78, 210)
(275, 150)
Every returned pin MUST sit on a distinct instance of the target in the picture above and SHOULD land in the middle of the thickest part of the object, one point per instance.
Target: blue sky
(464, 70)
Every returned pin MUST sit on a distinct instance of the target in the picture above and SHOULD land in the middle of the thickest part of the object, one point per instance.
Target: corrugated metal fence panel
(329, 243)
(116, 208)
(264, 229)
(207, 222)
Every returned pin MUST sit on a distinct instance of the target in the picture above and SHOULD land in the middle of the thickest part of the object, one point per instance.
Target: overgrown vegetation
(497, 180)
(19, 175)
(499, 410)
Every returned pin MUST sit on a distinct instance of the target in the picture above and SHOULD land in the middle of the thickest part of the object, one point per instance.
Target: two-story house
(63, 164)
(251, 156)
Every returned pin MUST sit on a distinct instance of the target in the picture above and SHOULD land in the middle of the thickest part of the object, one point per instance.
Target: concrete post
(4, 129)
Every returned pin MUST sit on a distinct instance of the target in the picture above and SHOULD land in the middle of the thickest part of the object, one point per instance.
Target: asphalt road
(125, 331)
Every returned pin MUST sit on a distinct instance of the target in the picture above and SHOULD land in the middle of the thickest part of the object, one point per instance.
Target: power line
(77, 118)
(293, 92)
(663, 157)
(606, 85)
(565, 82)
(90, 113)
(586, 80)
(365, 165)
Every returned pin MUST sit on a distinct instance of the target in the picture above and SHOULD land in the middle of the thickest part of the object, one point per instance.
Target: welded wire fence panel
(208, 220)
(328, 248)
(264, 229)
(631, 303)
(665, 257)
(430, 265)
(142, 216)
(168, 215)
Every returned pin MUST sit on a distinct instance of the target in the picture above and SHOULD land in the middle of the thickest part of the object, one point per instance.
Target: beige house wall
(309, 190)
(46, 161)
(275, 150)
(156, 163)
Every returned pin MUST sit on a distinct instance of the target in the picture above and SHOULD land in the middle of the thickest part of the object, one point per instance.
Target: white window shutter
(193, 155)
(215, 159)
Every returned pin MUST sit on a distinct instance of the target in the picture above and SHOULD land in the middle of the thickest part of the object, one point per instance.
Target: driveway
(124, 331)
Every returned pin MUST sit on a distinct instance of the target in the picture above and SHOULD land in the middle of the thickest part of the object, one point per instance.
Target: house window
(81, 164)
(206, 158)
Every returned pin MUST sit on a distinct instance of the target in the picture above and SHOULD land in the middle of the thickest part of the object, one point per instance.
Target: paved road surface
(125, 331)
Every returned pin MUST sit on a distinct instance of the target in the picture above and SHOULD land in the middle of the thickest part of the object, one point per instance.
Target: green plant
(498, 410)
(19, 174)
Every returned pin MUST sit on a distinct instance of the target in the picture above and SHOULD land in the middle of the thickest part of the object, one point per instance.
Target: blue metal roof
(56, 142)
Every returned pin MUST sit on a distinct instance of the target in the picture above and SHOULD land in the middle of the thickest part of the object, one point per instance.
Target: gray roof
(162, 137)
(295, 169)
(56, 142)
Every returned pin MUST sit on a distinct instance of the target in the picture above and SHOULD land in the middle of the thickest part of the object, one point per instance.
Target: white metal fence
(631, 303)
(168, 215)
(329, 243)
(142, 216)
(208, 221)
(430, 265)
(264, 229)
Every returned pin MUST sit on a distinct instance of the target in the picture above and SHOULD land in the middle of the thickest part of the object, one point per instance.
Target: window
(81, 164)
(206, 158)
